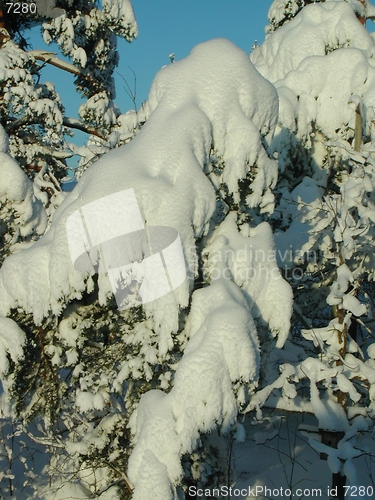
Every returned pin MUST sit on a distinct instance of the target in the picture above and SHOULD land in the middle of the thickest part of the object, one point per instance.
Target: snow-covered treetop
(282, 11)
(216, 98)
(306, 61)
(317, 30)
(85, 33)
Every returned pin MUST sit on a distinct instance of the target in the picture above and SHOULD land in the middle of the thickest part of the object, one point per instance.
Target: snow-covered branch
(50, 58)
(77, 124)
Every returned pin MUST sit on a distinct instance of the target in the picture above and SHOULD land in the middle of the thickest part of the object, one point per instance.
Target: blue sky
(164, 26)
(167, 26)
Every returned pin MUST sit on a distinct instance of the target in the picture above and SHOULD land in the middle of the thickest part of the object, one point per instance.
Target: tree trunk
(358, 129)
(362, 19)
(338, 483)
(2, 18)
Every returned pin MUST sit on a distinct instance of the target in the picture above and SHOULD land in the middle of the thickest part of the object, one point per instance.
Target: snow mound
(213, 97)
(327, 96)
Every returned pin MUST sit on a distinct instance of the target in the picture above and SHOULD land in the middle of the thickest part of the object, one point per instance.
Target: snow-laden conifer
(321, 63)
(199, 165)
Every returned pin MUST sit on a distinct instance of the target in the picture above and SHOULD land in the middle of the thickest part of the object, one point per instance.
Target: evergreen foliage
(113, 397)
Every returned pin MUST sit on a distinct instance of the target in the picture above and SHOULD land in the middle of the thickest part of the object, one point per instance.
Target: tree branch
(73, 123)
(122, 474)
(50, 58)
(16, 123)
(25, 120)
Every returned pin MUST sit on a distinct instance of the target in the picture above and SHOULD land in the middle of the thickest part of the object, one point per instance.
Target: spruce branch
(17, 123)
(51, 58)
(76, 124)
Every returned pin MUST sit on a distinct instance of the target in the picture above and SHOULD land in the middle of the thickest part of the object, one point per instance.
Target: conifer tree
(91, 374)
(34, 153)
(324, 145)
(117, 396)
(34, 126)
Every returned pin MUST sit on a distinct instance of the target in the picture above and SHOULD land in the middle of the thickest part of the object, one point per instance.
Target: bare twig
(122, 474)
(131, 93)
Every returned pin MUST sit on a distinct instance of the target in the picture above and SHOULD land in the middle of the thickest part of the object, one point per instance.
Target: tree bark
(3, 23)
(363, 19)
(358, 129)
(338, 483)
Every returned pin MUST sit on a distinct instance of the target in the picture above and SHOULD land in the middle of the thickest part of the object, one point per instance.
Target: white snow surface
(12, 338)
(15, 185)
(248, 257)
(313, 32)
(4, 140)
(326, 93)
(309, 59)
(17, 189)
(214, 96)
(223, 349)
